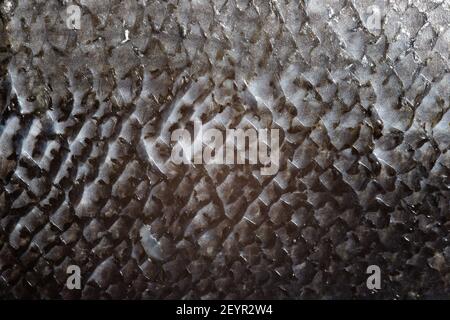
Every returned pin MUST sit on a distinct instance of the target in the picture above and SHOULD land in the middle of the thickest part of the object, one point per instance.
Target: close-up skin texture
(92, 90)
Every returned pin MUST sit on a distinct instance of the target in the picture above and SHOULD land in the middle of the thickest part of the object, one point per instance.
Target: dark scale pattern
(85, 175)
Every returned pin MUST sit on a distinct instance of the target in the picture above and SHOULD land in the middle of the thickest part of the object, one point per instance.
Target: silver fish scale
(86, 179)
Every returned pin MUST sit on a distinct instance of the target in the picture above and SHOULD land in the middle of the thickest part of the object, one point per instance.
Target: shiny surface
(85, 177)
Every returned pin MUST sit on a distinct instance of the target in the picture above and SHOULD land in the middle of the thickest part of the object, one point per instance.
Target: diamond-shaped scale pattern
(85, 171)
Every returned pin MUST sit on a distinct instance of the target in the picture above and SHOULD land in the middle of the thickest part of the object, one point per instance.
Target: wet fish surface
(86, 177)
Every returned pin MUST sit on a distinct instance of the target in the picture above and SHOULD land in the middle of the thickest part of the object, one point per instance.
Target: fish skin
(85, 124)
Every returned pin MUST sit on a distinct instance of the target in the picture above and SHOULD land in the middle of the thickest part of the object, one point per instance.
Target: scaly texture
(86, 178)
